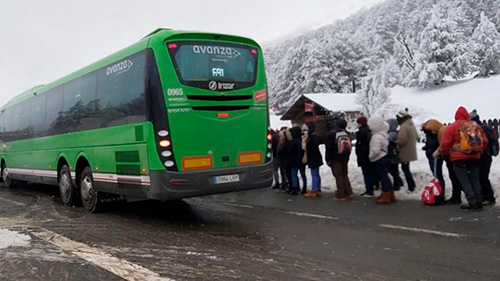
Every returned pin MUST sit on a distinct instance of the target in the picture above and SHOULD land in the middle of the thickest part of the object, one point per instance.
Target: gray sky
(45, 40)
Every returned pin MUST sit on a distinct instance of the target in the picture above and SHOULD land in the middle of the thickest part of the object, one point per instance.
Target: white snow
(335, 102)
(442, 101)
(10, 238)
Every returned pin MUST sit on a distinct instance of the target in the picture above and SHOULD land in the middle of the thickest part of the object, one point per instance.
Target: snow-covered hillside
(442, 101)
(413, 43)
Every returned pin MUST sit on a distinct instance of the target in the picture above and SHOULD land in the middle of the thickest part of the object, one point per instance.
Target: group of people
(466, 146)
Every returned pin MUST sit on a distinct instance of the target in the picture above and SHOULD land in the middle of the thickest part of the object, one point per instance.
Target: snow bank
(10, 238)
(442, 102)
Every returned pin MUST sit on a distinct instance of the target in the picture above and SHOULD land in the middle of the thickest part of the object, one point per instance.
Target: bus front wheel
(88, 193)
(69, 194)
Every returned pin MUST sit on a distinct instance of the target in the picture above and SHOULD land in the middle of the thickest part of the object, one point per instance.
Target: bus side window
(38, 115)
(121, 95)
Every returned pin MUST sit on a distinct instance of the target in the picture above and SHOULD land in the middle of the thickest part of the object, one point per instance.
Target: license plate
(226, 179)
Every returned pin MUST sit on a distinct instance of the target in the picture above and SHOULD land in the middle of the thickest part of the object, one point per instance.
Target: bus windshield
(203, 64)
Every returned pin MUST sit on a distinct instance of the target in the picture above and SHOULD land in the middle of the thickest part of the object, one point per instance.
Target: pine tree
(442, 51)
(485, 43)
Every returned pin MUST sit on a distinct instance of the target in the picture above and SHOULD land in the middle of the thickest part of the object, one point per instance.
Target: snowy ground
(10, 238)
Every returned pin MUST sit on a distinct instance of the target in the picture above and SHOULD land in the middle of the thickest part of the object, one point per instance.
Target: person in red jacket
(465, 164)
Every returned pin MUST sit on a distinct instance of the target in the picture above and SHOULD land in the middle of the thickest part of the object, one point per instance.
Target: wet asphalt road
(255, 235)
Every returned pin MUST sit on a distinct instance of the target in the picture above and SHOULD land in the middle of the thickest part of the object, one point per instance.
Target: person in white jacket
(379, 144)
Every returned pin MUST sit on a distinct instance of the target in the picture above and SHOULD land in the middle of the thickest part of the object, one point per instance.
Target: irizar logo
(120, 67)
(214, 85)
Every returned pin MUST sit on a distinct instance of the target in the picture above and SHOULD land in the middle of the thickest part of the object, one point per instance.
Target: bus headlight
(169, 163)
(166, 153)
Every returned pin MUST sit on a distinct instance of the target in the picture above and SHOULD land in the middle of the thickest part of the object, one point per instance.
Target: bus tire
(88, 193)
(7, 181)
(69, 193)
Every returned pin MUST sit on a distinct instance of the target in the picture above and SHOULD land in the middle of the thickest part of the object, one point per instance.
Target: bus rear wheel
(88, 193)
(69, 193)
(7, 181)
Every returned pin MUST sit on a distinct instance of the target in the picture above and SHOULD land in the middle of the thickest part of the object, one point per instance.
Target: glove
(436, 153)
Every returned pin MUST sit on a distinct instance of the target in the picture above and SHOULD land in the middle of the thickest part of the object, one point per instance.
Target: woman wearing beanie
(379, 145)
(407, 143)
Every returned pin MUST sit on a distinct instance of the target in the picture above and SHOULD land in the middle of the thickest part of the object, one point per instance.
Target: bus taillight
(269, 137)
(172, 46)
(165, 143)
(253, 51)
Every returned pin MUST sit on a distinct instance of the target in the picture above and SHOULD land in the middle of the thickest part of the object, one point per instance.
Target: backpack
(433, 193)
(471, 137)
(343, 143)
(493, 145)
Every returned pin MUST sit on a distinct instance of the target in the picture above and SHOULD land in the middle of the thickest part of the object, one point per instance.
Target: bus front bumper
(167, 185)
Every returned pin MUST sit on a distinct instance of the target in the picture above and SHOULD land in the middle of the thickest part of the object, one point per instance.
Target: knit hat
(474, 116)
(403, 112)
(362, 121)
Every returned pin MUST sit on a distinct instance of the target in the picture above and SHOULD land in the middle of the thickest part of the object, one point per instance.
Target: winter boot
(391, 196)
(304, 190)
(384, 198)
(311, 194)
(319, 193)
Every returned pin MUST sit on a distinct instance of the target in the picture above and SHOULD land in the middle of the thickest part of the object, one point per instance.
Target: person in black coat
(363, 136)
(285, 157)
(296, 154)
(314, 159)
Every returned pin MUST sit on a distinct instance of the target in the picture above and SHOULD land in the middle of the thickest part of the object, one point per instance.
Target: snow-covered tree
(442, 52)
(485, 44)
(374, 97)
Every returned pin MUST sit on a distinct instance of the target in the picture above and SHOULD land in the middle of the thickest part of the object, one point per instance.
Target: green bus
(176, 115)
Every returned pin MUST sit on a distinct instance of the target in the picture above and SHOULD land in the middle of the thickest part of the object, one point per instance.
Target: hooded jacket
(451, 138)
(407, 140)
(379, 142)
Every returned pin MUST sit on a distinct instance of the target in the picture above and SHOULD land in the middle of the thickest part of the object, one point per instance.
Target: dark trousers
(284, 179)
(394, 171)
(484, 177)
(455, 183)
(382, 168)
(468, 174)
(288, 172)
(339, 170)
(369, 176)
(409, 177)
(437, 171)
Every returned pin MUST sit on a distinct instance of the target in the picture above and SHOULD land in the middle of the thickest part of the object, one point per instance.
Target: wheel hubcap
(5, 174)
(86, 188)
(65, 185)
